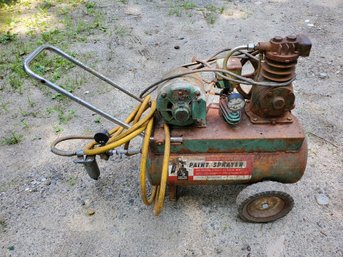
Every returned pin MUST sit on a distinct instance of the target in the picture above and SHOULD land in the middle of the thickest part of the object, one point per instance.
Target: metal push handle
(59, 89)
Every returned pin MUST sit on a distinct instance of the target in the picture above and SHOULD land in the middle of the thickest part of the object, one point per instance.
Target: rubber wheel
(264, 202)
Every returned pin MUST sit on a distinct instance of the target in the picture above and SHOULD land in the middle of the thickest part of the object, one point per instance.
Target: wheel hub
(266, 206)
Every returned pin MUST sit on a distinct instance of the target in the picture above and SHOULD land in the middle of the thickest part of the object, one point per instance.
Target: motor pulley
(246, 133)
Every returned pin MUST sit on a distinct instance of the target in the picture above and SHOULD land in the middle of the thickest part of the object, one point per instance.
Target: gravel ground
(49, 207)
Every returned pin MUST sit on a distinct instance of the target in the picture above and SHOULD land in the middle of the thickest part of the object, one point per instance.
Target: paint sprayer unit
(246, 135)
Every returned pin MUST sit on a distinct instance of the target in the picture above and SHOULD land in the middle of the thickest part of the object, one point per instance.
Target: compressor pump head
(279, 59)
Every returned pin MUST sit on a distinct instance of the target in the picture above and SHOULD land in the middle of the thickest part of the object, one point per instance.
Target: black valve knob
(102, 137)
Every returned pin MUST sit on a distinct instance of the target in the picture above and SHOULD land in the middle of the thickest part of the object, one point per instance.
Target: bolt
(277, 39)
(164, 95)
(254, 119)
(265, 206)
(291, 38)
(197, 93)
(289, 118)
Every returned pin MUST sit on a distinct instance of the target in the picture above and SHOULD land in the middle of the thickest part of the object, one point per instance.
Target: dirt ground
(50, 207)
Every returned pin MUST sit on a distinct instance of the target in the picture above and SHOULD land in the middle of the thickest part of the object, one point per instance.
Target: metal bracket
(59, 89)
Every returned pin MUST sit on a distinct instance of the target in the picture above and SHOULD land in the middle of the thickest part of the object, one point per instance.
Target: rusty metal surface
(285, 167)
(284, 117)
(272, 105)
(279, 152)
(281, 55)
(218, 136)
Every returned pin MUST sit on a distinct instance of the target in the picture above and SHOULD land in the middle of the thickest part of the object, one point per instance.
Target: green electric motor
(182, 101)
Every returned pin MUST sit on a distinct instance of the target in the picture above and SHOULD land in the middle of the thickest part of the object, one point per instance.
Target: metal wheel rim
(265, 207)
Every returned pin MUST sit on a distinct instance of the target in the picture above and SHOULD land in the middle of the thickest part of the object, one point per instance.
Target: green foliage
(189, 5)
(25, 124)
(123, 1)
(3, 224)
(4, 107)
(90, 8)
(179, 7)
(63, 116)
(7, 2)
(72, 180)
(16, 83)
(47, 4)
(121, 31)
(211, 13)
(58, 129)
(97, 120)
(7, 37)
(12, 139)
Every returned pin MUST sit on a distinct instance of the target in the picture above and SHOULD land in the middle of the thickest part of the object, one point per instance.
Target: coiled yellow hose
(119, 136)
(162, 187)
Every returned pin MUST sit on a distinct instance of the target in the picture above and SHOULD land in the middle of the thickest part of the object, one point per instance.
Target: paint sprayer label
(235, 167)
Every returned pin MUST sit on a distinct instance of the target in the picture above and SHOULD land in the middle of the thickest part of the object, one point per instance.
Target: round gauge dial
(235, 102)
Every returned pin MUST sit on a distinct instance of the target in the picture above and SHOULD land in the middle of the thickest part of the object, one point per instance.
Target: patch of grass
(27, 113)
(47, 4)
(26, 25)
(189, 5)
(72, 180)
(58, 129)
(3, 224)
(31, 103)
(12, 139)
(211, 13)
(179, 7)
(63, 116)
(7, 2)
(97, 120)
(70, 86)
(4, 107)
(90, 8)
(7, 37)
(121, 31)
(16, 83)
(25, 124)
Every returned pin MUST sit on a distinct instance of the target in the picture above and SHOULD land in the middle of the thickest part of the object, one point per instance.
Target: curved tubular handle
(59, 89)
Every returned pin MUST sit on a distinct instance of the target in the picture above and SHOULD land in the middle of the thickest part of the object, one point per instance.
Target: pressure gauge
(236, 102)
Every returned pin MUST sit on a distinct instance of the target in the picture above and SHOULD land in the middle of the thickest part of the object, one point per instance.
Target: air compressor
(246, 134)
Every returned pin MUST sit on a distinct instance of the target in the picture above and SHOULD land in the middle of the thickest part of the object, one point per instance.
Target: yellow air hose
(120, 136)
(144, 156)
(164, 175)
